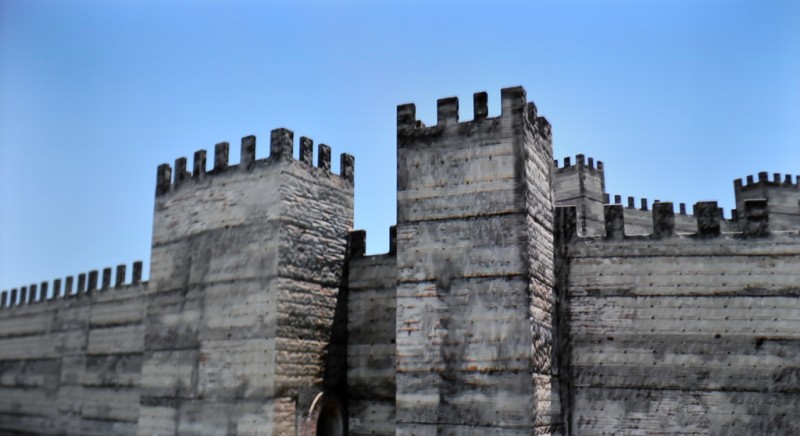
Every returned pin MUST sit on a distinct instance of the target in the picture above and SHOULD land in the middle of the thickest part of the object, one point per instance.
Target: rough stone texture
(493, 312)
(73, 365)
(371, 348)
(474, 272)
(246, 268)
(685, 335)
(782, 195)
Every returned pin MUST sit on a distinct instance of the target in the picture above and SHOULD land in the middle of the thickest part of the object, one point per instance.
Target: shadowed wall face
(246, 267)
(474, 270)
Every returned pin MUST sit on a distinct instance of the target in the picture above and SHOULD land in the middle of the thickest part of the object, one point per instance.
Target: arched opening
(330, 421)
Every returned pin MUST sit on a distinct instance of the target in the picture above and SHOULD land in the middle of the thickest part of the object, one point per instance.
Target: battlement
(580, 162)
(754, 221)
(513, 102)
(281, 148)
(357, 243)
(87, 284)
(778, 179)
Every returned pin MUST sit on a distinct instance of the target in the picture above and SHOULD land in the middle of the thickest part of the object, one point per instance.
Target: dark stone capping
(663, 219)
(120, 277)
(68, 286)
(3, 297)
(199, 164)
(23, 295)
(306, 151)
(708, 222)
(13, 298)
(280, 143)
(406, 115)
(513, 100)
(32, 295)
(81, 284)
(56, 288)
(614, 221)
(106, 283)
(163, 179)
(447, 111)
(221, 156)
(617, 199)
(137, 273)
(479, 105)
(644, 203)
(181, 174)
(92, 281)
(756, 216)
(566, 223)
(347, 167)
(324, 157)
(606, 198)
(356, 243)
(393, 240)
(248, 154)
(631, 202)
(43, 291)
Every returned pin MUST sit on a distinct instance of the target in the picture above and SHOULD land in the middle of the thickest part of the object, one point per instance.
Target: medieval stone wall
(70, 361)
(691, 334)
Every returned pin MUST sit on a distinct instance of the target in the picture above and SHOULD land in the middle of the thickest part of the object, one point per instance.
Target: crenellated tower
(246, 266)
(475, 279)
(782, 194)
(582, 185)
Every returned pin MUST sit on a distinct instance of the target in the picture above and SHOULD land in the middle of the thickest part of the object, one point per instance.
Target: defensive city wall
(517, 297)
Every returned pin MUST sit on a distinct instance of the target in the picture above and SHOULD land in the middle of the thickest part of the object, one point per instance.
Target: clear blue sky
(678, 98)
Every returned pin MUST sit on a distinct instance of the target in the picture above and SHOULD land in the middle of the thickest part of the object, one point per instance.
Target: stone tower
(246, 267)
(475, 279)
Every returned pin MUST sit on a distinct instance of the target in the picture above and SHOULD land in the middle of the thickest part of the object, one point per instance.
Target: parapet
(513, 102)
(87, 284)
(281, 148)
(580, 162)
(755, 221)
(782, 192)
(357, 243)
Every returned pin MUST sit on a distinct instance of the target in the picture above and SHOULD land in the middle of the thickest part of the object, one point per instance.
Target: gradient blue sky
(678, 98)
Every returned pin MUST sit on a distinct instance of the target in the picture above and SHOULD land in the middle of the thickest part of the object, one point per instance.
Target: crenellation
(32, 295)
(447, 111)
(248, 153)
(663, 220)
(515, 298)
(56, 289)
(324, 158)
(181, 175)
(281, 144)
(307, 151)
(106, 279)
(480, 107)
(92, 282)
(199, 164)
(120, 276)
(221, 150)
